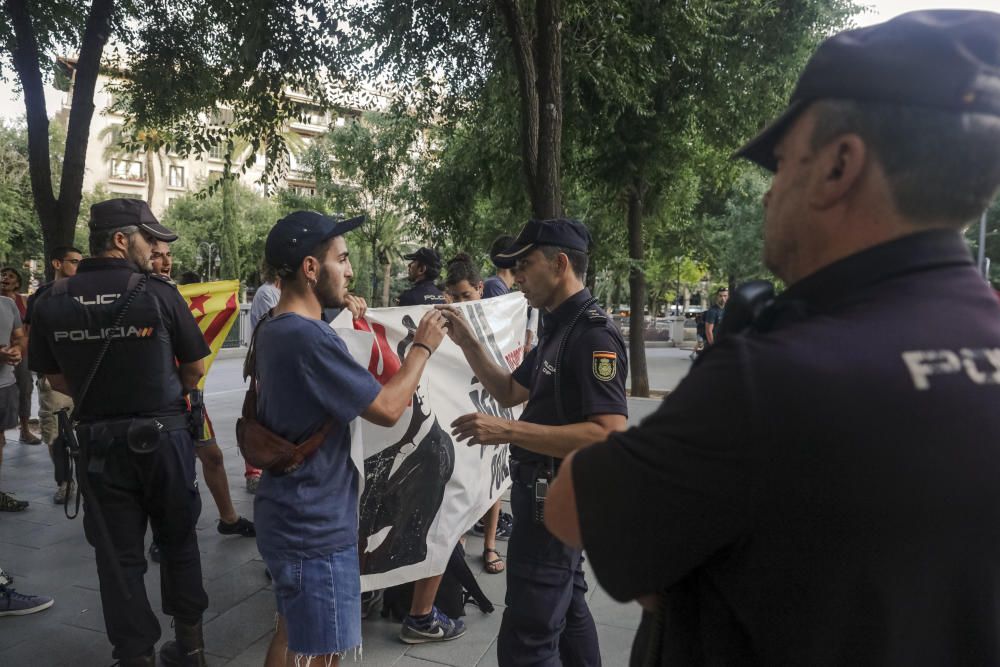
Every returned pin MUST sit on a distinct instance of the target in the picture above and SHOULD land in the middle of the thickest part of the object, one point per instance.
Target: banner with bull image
(421, 490)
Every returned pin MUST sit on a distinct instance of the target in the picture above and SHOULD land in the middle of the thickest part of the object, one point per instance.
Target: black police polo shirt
(594, 369)
(422, 293)
(109, 276)
(847, 512)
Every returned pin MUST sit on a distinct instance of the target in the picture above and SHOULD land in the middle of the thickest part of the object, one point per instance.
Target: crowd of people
(819, 489)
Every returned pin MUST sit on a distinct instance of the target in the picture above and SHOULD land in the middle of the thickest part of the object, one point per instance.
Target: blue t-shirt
(494, 286)
(305, 375)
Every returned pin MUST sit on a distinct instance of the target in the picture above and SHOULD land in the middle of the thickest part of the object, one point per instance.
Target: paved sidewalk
(48, 554)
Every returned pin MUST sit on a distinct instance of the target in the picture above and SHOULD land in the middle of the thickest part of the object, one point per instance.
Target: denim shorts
(320, 600)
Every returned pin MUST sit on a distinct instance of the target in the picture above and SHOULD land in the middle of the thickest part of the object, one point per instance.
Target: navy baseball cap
(429, 257)
(938, 59)
(296, 235)
(561, 232)
(116, 213)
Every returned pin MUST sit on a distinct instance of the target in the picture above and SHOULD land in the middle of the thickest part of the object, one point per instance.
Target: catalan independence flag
(215, 308)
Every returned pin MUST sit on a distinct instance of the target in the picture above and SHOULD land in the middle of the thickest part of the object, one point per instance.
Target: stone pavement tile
(254, 654)
(489, 658)
(466, 651)
(616, 645)
(235, 586)
(381, 644)
(28, 534)
(410, 661)
(231, 632)
(71, 605)
(608, 611)
(46, 569)
(75, 647)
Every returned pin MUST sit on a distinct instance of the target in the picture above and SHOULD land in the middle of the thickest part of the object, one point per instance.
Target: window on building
(176, 176)
(217, 152)
(127, 170)
(214, 175)
(125, 195)
(304, 191)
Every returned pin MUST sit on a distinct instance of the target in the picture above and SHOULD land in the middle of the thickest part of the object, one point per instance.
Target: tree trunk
(386, 283)
(637, 298)
(57, 215)
(151, 180)
(374, 268)
(538, 63)
(229, 267)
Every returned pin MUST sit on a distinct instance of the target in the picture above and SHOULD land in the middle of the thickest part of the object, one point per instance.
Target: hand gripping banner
(421, 490)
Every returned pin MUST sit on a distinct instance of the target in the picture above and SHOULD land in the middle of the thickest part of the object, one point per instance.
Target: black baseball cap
(937, 59)
(296, 235)
(562, 232)
(115, 213)
(429, 257)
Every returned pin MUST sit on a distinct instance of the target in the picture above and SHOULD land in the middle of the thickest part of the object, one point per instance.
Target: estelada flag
(215, 308)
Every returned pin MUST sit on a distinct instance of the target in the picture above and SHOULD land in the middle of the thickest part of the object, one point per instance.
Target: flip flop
(495, 566)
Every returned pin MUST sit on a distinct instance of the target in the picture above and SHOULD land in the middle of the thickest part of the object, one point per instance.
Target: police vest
(137, 376)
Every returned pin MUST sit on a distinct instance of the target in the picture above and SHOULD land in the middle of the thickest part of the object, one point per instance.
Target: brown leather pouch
(260, 446)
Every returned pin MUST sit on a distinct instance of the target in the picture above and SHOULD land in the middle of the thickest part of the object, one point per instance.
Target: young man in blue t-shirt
(307, 519)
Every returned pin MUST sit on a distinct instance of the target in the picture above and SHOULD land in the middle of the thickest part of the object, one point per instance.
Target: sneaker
(253, 481)
(64, 493)
(242, 527)
(435, 627)
(13, 603)
(479, 529)
(9, 503)
(504, 529)
(154, 553)
(371, 603)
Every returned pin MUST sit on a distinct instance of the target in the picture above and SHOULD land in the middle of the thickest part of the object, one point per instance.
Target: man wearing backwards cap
(574, 385)
(133, 425)
(307, 519)
(812, 494)
(422, 271)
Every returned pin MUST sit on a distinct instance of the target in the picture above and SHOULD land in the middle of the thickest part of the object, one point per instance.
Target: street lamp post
(211, 256)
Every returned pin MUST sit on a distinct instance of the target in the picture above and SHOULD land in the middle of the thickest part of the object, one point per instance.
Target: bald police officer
(422, 271)
(574, 385)
(822, 488)
(133, 425)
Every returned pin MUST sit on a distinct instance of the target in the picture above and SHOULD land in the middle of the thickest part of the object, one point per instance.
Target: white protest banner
(421, 489)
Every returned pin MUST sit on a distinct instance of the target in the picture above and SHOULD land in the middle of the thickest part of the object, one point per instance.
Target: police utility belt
(141, 434)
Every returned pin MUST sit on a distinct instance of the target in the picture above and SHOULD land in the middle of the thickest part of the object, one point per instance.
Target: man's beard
(326, 292)
(144, 262)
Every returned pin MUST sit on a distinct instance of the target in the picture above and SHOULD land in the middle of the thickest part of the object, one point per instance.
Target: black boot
(187, 649)
(148, 660)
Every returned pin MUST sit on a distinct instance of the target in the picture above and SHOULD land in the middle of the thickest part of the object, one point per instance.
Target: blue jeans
(320, 600)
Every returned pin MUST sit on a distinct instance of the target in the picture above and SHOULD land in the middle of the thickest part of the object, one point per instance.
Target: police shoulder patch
(605, 365)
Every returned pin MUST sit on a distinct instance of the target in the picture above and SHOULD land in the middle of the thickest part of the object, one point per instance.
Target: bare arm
(391, 402)
(497, 380)
(191, 373)
(709, 333)
(557, 441)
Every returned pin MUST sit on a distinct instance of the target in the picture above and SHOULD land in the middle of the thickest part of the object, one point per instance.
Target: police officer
(574, 385)
(821, 489)
(423, 269)
(137, 454)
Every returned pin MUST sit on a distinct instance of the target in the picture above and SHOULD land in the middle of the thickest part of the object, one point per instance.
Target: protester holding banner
(574, 385)
(308, 383)
(465, 284)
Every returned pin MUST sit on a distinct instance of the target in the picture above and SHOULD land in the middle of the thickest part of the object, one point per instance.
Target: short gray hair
(941, 166)
(102, 240)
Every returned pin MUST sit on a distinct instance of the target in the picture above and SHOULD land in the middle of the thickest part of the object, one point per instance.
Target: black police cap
(561, 232)
(116, 213)
(938, 59)
(296, 235)
(429, 257)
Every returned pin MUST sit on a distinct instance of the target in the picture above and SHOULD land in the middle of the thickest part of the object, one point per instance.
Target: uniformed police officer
(821, 489)
(423, 269)
(133, 425)
(574, 385)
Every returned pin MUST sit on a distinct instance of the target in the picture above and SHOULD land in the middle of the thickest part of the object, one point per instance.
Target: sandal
(495, 566)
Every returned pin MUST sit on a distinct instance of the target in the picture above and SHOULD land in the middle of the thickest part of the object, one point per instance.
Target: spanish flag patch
(605, 366)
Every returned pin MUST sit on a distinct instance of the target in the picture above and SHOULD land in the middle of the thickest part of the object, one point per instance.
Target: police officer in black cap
(124, 345)
(574, 385)
(423, 269)
(821, 489)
